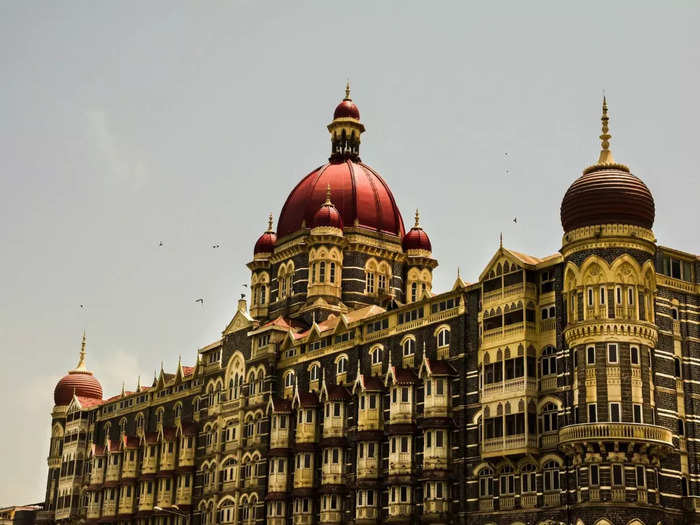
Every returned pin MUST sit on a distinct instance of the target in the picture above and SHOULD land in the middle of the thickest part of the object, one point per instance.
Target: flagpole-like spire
(606, 156)
(269, 223)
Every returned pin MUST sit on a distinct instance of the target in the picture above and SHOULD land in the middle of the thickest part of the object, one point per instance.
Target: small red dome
(362, 198)
(346, 109)
(83, 384)
(416, 238)
(607, 195)
(266, 243)
(328, 215)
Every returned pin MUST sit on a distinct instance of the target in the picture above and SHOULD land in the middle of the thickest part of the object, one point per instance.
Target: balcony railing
(552, 499)
(512, 387)
(616, 431)
(486, 504)
(400, 509)
(366, 513)
(400, 463)
(279, 438)
(303, 477)
(401, 412)
(507, 333)
(435, 506)
(507, 444)
(528, 501)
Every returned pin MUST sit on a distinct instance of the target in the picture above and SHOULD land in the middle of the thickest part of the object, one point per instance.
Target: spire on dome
(269, 224)
(347, 90)
(328, 194)
(605, 159)
(81, 362)
(417, 224)
(605, 153)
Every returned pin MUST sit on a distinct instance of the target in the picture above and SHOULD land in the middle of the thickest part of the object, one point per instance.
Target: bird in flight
(245, 284)
(200, 301)
(160, 243)
(82, 306)
(515, 220)
(216, 246)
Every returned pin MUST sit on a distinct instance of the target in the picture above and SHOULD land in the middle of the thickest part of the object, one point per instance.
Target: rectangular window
(615, 412)
(592, 413)
(372, 401)
(617, 475)
(595, 475)
(428, 439)
(590, 355)
(612, 353)
(590, 297)
(438, 438)
(404, 395)
(404, 444)
(634, 355)
(641, 476)
(602, 295)
(637, 413)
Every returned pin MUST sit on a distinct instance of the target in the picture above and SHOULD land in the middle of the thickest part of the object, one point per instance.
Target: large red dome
(83, 384)
(361, 196)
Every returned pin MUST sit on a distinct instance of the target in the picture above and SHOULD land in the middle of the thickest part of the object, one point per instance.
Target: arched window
(263, 293)
(414, 292)
(549, 361)
(443, 338)
(369, 281)
(507, 481)
(229, 470)
(528, 479)
(551, 476)
(674, 313)
(289, 379)
(376, 356)
(549, 418)
(139, 422)
(485, 483)
(314, 373)
(342, 365)
(409, 347)
(178, 410)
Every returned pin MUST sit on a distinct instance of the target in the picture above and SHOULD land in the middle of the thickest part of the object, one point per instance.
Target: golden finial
(81, 362)
(417, 225)
(328, 194)
(605, 153)
(347, 90)
(500, 240)
(269, 223)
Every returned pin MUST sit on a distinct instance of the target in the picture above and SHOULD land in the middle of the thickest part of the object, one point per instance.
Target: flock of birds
(200, 300)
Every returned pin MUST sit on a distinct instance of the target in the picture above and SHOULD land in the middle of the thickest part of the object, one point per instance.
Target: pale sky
(123, 124)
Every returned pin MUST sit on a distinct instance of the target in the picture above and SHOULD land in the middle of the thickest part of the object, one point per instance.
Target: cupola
(266, 242)
(416, 240)
(79, 382)
(327, 218)
(345, 130)
(607, 193)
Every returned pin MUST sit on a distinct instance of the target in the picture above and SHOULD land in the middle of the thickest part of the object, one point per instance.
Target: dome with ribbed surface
(78, 381)
(347, 109)
(607, 193)
(607, 196)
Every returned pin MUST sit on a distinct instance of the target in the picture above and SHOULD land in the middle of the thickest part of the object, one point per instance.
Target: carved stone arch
(499, 355)
(635, 521)
(487, 412)
(371, 264)
(507, 408)
(506, 354)
(487, 358)
(548, 399)
(603, 521)
(263, 278)
(499, 269)
(506, 266)
(499, 409)
(236, 365)
(551, 457)
(595, 271)
(225, 499)
(571, 277)
(481, 466)
(521, 406)
(413, 274)
(57, 430)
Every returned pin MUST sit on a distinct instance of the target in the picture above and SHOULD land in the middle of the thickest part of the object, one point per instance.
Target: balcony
(634, 432)
(617, 494)
(93, 510)
(303, 477)
(520, 386)
(547, 325)
(401, 412)
(366, 515)
(400, 463)
(528, 501)
(97, 476)
(507, 334)
(548, 383)
(368, 468)
(302, 519)
(109, 508)
(129, 469)
(550, 440)
(400, 510)
(515, 444)
(279, 438)
(436, 406)
(306, 433)
(506, 502)
(552, 499)
(165, 498)
(126, 505)
(331, 516)
(149, 465)
(436, 506)
(509, 293)
(167, 461)
(113, 473)
(369, 419)
(332, 474)
(625, 312)
(277, 482)
(183, 496)
(435, 459)
(146, 501)
(333, 427)
(486, 504)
